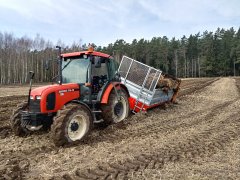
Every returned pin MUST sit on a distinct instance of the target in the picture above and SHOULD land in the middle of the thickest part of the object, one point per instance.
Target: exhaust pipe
(31, 74)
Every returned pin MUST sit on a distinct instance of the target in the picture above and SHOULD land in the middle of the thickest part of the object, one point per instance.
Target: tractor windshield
(75, 70)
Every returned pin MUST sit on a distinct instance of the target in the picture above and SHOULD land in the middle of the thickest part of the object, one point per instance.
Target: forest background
(206, 54)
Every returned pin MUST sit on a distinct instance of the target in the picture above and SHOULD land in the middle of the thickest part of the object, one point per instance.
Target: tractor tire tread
(58, 128)
(15, 120)
(107, 108)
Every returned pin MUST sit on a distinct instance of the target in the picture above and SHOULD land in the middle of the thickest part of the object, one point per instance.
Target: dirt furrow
(203, 144)
(7, 104)
(216, 130)
(196, 87)
(203, 123)
(117, 133)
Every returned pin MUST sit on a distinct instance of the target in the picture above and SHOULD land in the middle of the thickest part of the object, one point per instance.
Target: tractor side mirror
(31, 74)
(97, 62)
(47, 65)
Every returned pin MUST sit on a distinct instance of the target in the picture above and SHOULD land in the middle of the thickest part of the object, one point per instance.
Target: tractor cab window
(75, 70)
(112, 68)
(99, 73)
(100, 69)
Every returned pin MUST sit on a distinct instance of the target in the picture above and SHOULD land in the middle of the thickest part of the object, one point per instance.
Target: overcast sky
(104, 21)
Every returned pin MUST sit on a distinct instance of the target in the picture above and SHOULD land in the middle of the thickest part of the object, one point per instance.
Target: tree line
(204, 54)
(18, 56)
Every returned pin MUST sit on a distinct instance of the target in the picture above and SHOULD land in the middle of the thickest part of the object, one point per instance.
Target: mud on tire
(15, 120)
(71, 125)
(116, 110)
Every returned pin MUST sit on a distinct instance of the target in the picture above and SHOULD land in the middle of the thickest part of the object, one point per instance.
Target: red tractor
(89, 89)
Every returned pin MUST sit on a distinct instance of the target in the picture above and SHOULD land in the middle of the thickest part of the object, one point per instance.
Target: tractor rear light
(38, 97)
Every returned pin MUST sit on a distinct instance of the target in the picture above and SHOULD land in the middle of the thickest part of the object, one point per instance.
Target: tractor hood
(53, 97)
(54, 88)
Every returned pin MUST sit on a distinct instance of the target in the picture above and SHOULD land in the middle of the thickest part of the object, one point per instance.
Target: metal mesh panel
(124, 66)
(137, 73)
(150, 79)
(155, 80)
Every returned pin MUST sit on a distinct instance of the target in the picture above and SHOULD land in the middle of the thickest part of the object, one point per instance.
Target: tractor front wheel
(15, 120)
(117, 108)
(71, 125)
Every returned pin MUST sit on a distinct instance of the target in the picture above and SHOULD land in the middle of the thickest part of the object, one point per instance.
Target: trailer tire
(15, 120)
(116, 110)
(71, 125)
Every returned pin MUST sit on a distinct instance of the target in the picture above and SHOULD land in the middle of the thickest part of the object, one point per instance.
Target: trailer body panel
(141, 81)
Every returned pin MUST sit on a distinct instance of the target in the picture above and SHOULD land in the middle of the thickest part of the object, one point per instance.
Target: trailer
(141, 81)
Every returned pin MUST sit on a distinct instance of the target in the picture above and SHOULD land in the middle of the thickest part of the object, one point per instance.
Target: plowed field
(197, 138)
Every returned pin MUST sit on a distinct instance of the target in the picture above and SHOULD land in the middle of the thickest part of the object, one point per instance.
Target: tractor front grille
(34, 105)
(26, 119)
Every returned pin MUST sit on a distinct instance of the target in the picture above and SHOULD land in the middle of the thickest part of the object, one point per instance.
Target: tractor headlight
(38, 97)
(31, 97)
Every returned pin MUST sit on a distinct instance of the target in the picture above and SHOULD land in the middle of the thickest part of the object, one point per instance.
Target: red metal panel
(64, 94)
(95, 53)
(139, 104)
(108, 91)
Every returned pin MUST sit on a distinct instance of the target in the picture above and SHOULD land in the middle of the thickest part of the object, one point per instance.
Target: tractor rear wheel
(116, 109)
(15, 120)
(71, 125)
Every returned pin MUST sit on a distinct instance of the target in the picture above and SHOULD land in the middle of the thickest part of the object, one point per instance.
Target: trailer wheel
(15, 120)
(71, 125)
(116, 110)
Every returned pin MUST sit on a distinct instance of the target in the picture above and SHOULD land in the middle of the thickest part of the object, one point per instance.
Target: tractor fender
(109, 88)
(84, 105)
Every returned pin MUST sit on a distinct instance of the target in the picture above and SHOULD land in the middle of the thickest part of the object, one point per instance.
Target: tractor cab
(92, 71)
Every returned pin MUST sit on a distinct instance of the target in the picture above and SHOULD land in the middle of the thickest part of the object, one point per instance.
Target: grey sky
(104, 21)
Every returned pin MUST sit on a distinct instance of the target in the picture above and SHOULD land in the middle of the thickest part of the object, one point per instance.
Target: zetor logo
(66, 90)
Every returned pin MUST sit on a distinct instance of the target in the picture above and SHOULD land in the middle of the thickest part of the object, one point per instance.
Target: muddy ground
(198, 138)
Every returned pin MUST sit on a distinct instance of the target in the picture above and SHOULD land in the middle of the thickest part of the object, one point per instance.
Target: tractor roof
(94, 53)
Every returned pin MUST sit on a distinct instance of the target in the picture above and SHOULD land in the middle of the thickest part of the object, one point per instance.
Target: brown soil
(17, 90)
(198, 138)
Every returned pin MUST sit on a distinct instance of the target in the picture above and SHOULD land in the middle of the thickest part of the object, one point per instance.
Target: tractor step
(98, 121)
(99, 111)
